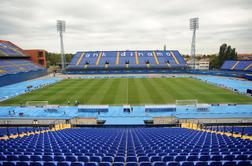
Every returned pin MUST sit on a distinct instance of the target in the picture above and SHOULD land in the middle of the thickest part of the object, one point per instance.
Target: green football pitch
(136, 91)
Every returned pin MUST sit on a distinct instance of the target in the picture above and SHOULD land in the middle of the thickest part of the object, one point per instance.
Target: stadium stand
(232, 129)
(237, 65)
(126, 60)
(127, 147)
(19, 130)
(8, 49)
(15, 65)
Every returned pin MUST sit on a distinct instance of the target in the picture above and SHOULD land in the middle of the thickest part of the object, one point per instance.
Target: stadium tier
(127, 59)
(237, 65)
(8, 49)
(127, 147)
(234, 129)
(14, 66)
(19, 130)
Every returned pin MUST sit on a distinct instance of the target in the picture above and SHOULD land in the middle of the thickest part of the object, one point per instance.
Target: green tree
(222, 54)
(214, 62)
(226, 52)
(54, 59)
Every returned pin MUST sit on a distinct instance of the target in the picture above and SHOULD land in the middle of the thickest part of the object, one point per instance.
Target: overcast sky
(127, 24)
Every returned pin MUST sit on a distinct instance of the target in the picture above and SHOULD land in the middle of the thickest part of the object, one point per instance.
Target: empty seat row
(122, 158)
(187, 163)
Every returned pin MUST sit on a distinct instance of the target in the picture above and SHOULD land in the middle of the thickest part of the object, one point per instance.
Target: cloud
(131, 24)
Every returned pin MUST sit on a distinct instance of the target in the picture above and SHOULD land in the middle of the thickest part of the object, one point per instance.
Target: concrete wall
(164, 120)
(31, 121)
(83, 121)
(93, 121)
(216, 120)
(74, 121)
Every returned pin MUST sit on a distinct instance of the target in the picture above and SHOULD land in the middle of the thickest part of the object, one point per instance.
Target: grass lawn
(137, 91)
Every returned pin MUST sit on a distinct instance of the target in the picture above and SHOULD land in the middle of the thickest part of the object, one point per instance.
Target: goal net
(36, 103)
(187, 103)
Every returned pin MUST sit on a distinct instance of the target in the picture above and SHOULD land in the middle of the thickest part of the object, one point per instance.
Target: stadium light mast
(194, 25)
(61, 28)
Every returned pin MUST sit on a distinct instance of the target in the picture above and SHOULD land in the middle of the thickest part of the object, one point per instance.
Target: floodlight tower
(194, 25)
(61, 27)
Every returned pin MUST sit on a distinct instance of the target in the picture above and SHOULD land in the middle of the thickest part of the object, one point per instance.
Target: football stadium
(139, 107)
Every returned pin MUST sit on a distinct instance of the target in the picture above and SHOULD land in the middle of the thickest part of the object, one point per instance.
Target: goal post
(36, 103)
(187, 103)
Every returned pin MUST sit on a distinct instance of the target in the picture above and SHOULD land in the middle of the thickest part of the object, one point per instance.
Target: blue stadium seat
(215, 163)
(241, 157)
(145, 164)
(168, 158)
(104, 164)
(71, 158)
(108, 159)
(9, 163)
(118, 164)
(143, 159)
(51, 163)
(192, 158)
(201, 163)
(131, 159)
(95, 159)
(180, 158)
(36, 163)
(91, 164)
(131, 164)
(119, 159)
(172, 163)
(12, 158)
(2, 158)
(35, 158)
(83, 158)
(22, 163)
(244, 163)
(204, 158)
(159, 163)
(229, 163)
(187, 163)
(155, 158)
(64, 163)
(216, 158)
(229, 157)
(59, 158)
(77, 164)
(47, 158)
